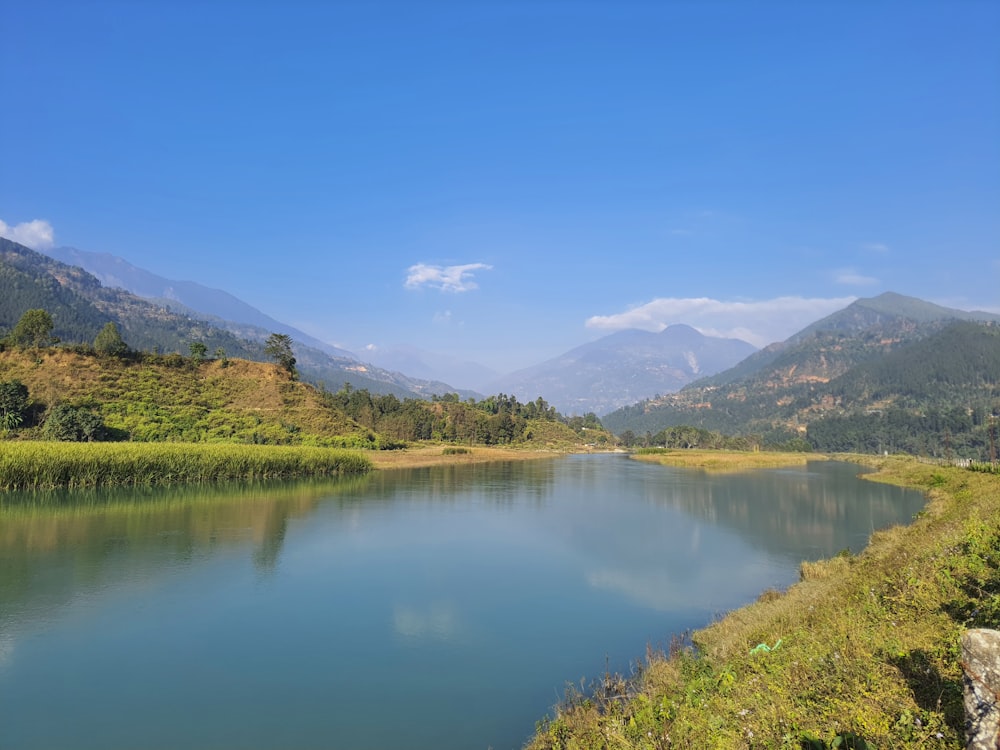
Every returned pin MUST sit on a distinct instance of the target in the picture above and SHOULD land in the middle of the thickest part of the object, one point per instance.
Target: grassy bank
(866, 644)
(713, 460)
(42, 465)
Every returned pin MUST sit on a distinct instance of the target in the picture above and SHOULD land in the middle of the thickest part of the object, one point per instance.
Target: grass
(712, 460)
(150, 401)
(868, 644)
(45, 465)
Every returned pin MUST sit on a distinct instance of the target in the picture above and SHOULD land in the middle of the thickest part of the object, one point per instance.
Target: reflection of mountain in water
(807, 513)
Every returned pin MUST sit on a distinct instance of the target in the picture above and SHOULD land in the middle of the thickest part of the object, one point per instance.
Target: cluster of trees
(60, 422)
(955, 432)
(496, 420)
(687, 436)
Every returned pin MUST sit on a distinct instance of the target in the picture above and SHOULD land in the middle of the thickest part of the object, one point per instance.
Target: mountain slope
(624, 367)
(836, 366)
(185, 297)
(156, 398)
(80, 306)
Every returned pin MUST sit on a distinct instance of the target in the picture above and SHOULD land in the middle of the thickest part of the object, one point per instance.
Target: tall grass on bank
(866, 644)
(44, 465)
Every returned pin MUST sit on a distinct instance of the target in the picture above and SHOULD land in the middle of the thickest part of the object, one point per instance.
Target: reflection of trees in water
(88, 538)
(810, 513)
(502, 483)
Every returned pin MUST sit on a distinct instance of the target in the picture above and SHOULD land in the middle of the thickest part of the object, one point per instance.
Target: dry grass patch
(712, 460)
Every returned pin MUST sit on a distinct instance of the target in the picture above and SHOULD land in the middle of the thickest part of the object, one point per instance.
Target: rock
(981, 667)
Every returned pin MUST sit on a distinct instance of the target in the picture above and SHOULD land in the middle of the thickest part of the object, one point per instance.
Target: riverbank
(866, 644)
(28, 465)
(713, 460)
(440, 455)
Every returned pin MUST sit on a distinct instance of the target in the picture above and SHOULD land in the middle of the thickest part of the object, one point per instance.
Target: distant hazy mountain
(890, 354)
(431, 366)
(187, 297)
(623, 368)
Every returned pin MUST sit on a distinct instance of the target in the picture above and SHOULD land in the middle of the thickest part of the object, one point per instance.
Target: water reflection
(463, 597)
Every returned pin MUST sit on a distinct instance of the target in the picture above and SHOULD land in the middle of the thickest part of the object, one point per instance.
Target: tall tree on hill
(110, 342)
(279, 348)
(33, 330)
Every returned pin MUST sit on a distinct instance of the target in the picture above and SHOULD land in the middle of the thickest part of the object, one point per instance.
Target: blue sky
(503, 181)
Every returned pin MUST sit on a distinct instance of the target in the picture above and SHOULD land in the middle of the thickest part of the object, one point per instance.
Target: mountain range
(81, 305)
(870, 376)
(625, 367)
(596, 377)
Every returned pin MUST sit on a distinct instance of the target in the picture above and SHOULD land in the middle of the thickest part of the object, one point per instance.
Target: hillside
(931, 367)
(80, 306)
(185, 297)
(176, 399)
(624, 367)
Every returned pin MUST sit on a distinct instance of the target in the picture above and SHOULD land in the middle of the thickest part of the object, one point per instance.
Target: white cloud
(37, 234)
(853, 278)
(759, 322)
(444, 278)
(443, 317)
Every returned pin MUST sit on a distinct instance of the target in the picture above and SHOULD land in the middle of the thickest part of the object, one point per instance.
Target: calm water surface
(434, 608)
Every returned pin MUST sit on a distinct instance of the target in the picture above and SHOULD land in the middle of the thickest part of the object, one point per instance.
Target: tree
(109, 342)
(34, 330)
(198, 350)
(74, 424)
(279, 348)
(13, 404)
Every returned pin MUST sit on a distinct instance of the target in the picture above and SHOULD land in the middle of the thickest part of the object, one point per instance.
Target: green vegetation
(33, 330)
(39, 465)
(74, 394)
(496, 420)
(109, 342)
(863, 648)
(279, 348)
(928, 391)
(153, 398)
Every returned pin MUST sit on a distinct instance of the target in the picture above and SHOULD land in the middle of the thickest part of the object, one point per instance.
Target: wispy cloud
(876, 247)
(442, 317)
(852, 278)
(758, 322)
(444, 278)
(37, 234)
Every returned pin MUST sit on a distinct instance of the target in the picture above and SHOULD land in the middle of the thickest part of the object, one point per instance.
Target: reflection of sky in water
(437, 620)
(463, 597)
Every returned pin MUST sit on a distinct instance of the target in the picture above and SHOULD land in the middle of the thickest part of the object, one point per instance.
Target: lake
(427, 608)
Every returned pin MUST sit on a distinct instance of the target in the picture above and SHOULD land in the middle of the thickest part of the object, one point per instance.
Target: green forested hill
(80, 307)
(27, 285)
(891, 373)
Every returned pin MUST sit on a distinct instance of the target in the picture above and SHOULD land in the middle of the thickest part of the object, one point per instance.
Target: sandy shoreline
(434, 455)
